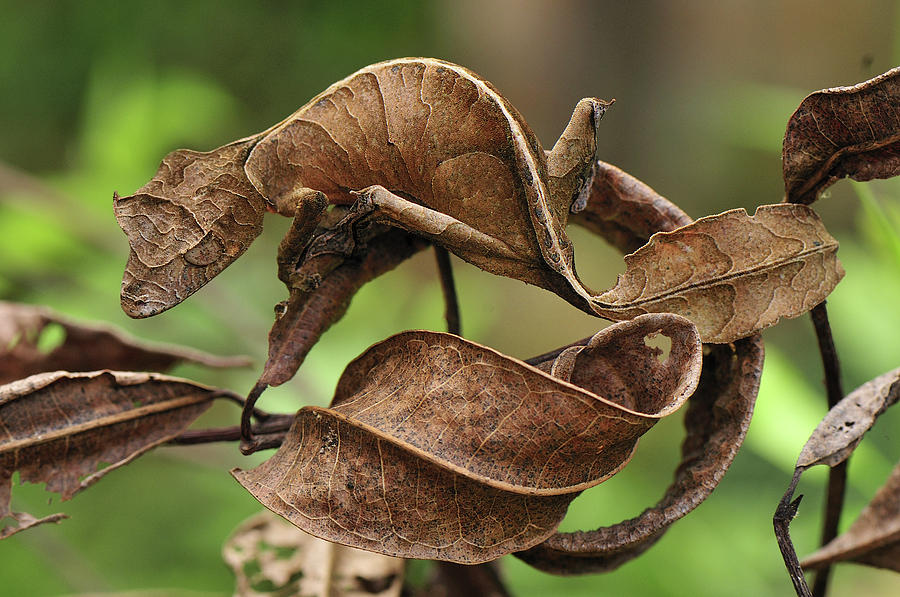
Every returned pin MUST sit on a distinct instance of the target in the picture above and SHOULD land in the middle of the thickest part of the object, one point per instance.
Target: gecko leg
(307, 213)
(476, 247)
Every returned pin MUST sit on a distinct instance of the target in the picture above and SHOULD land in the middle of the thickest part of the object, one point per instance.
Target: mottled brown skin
(422, 144)
(193, 219)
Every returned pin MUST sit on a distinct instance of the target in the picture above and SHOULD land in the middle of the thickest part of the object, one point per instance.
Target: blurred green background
(95, 93)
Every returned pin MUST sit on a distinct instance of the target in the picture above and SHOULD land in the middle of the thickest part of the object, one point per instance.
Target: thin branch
(272, 429)
(451, 304)
(556, 352)
(785, 512)
(830, 361)
(837, 476)
(259, 415)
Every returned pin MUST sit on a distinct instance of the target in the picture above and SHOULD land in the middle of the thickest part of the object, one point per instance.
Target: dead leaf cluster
(413, 152)
(67, 424)
(436, 447)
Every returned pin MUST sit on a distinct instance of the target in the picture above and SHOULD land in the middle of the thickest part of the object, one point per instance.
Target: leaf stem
(270, 430)
(556, 352)
(451, 303)
(837, 476)
(785, 512)
(259, 415)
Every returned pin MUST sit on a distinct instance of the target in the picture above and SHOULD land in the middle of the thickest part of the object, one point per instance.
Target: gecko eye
(581, 195)
(207, 251)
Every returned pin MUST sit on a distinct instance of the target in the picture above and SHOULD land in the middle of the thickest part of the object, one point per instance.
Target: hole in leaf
(52, 337)
(283, 552)
(662, 343)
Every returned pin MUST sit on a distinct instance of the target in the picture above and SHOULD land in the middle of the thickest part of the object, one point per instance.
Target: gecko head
(194, 218)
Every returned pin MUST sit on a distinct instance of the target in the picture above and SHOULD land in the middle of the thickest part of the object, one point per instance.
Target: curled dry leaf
(716, 422)
(873, 538)
(835, 438)
(82, 347)
(407, 128)
(270, 556)
(61, 428)
(323, 283)
(731, 274)
(843, 131)
(718, 413)
(439, 448)
(625, 211)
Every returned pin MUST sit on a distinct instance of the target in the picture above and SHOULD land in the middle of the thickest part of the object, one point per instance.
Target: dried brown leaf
(195, 217)
(270, 556)
(82, 347)
(873, 538)
(716, 422)
(835, 438)
(61, 428)
(731, 274)
(843, 131)
(439, 448)
(25, 521)
(625, 211)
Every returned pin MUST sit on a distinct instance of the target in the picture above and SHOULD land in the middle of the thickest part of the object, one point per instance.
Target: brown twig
(556, 352)
(451, 303)
(837, 476)
(269, 431)
(785, 512)
(259, 415)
